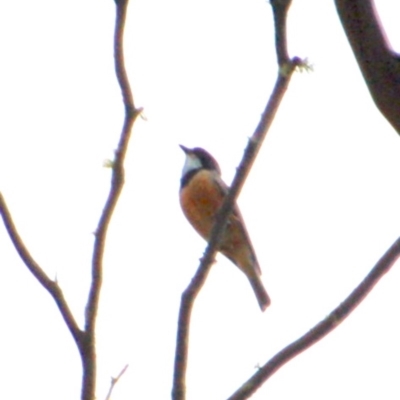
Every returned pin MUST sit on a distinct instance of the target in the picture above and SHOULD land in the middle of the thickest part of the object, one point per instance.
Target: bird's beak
(185, 149)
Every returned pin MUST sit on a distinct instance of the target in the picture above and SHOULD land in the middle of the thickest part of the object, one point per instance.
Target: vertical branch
(286, 69)
(117, 178)
(280, 10)
(117, 181)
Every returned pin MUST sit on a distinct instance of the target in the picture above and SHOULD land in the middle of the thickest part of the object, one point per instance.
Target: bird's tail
(262, 296)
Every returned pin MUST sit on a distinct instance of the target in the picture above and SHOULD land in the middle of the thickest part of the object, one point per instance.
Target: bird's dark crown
(197, 159)
(206, 159)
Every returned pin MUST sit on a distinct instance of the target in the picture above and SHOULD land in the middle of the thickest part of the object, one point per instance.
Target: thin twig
(114, 381)
(51, 286)
(337, 316)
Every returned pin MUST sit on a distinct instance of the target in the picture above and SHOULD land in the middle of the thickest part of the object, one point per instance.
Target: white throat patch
(192, 162)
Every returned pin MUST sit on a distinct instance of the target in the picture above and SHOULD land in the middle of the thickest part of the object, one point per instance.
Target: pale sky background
(321, 203)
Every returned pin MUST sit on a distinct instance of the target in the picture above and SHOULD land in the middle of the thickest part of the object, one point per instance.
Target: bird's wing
(236, 215)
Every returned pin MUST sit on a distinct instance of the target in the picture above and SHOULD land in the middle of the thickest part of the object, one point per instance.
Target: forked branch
(85, 339)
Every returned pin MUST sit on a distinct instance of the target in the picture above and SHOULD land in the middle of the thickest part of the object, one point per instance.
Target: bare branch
(117, 179)
(117, 182)
(280, 10)
(50, 285)
(189, 295)
(379, 65)
(85, 339)
(114, 381)
(337, 316)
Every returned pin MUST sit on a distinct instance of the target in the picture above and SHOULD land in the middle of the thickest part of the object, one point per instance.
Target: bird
(202, 192)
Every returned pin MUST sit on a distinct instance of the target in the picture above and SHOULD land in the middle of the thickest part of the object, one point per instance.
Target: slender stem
(114, 381)
(51, 286)
(337, 316)
(117, 182)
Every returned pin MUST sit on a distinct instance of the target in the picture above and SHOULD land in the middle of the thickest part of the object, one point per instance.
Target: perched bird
(201, 194)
